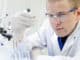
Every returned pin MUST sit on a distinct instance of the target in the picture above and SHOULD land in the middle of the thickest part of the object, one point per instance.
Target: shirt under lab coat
(47, 37)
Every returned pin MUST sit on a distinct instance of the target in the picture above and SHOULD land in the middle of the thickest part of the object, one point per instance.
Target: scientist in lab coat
(60, 34)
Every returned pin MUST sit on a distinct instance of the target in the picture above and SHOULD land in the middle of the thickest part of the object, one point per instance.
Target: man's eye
(51, 15)
(62, 14)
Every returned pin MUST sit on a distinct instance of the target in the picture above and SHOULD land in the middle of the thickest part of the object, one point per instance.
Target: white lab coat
(47, 37)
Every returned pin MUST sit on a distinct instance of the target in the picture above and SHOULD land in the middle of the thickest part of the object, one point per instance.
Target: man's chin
(61, 35)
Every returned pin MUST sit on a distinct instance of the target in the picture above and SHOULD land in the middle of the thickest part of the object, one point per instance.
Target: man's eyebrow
(63, 12)
(53, 0)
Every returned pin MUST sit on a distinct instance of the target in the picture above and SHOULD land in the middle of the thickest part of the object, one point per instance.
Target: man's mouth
(58, 29)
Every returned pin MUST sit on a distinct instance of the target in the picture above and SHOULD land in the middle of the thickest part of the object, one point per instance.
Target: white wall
(13, 6)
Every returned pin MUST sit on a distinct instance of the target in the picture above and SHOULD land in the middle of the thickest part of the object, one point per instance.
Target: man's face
(63, 21)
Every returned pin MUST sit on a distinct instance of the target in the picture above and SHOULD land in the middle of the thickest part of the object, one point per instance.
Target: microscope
(3, 32)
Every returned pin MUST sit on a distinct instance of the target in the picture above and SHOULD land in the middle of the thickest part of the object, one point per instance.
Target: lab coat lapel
(55, 44)
(68, 45)
(71, 40)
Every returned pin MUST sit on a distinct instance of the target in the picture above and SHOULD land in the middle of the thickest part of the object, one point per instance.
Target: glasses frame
(61, 15)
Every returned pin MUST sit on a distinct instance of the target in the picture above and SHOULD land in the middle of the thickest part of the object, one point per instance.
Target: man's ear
(78, 12)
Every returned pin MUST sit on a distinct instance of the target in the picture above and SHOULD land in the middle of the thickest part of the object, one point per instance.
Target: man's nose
(57, 22)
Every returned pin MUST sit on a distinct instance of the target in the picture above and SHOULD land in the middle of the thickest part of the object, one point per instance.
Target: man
(62, 35)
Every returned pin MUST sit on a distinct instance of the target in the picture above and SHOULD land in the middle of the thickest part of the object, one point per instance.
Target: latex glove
(22, 21)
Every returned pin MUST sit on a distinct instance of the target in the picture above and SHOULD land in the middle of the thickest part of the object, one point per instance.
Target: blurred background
(14, 13)
(11, 7)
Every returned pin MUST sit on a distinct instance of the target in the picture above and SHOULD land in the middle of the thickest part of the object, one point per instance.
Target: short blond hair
(74, 3)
